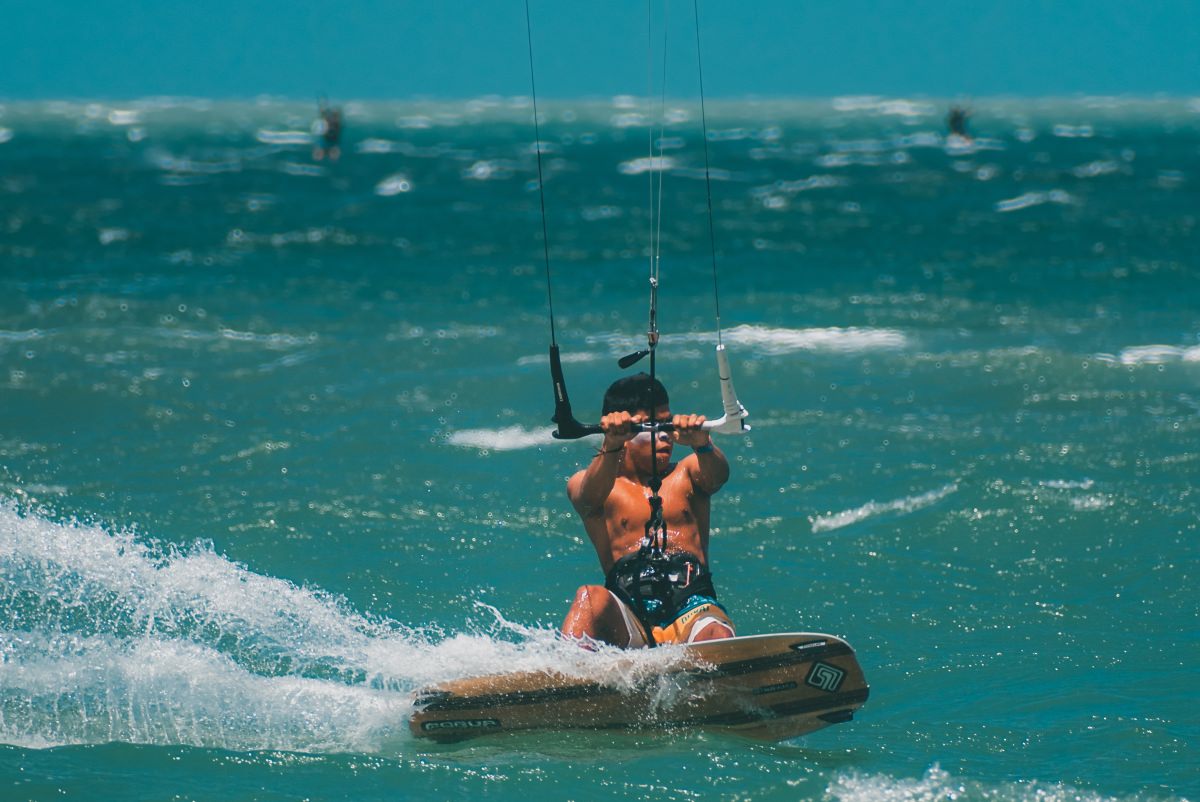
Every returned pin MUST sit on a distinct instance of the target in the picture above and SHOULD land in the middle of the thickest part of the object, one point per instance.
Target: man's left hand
(688, 431)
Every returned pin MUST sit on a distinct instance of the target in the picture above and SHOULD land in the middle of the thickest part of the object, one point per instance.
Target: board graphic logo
(812, 644)
(776, 688)
(462, 724)
(826, 677)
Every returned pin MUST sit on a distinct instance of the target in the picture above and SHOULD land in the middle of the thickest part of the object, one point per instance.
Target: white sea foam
(274, 340)
(173, 164)
(1096, 168)
(375, 145)
(1171, 179)
(958, 145)
(1152, 355)
(304, 170)
(69, 689)
(628, 120)
(1030, 199)
(1068, 484)
(124, 117)
(770, 340)
(416, 122)
(1080, 503)
(938, 785)
(1073, 131)
(646, 164)
(832, 161)
(21, 336)
(920, 139)
(456, 332)
(767, 340)
(729, 135)
(509, 438)
(107, 236)
(396, 184)
(855, 102)
(567, 358)
(489, 170)
(268, 137)
(874, 104)
(109, 637)
(798, 185)
(123, 640)
(837, 520)
(1090, 503)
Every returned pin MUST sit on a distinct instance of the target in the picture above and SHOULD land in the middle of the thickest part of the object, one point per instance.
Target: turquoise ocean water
(274, 440)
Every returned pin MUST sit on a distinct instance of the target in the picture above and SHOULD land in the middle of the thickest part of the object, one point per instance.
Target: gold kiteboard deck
(766, 687)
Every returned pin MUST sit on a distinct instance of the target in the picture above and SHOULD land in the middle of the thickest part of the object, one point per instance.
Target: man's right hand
(619, 428)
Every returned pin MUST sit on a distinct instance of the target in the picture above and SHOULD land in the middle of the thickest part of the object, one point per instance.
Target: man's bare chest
(629, 504)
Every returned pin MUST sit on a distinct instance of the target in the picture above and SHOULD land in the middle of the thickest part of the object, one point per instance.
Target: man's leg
(713, 626)
(597, 614)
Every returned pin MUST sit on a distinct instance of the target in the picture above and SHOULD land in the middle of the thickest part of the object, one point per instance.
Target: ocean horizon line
(616, 98)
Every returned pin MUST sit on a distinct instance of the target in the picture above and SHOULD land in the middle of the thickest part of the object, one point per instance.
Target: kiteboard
(764, 687)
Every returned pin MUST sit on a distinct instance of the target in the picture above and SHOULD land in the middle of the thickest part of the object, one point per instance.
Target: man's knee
(593, 597)
(597, 604)
(712, 629)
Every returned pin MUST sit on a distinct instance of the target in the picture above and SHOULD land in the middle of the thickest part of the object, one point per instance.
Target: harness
(657, 588)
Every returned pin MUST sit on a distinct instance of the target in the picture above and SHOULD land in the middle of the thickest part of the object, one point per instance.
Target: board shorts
(698, 612)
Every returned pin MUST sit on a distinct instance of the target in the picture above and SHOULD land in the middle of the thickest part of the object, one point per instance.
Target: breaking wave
(110, 637)
(509, 438)
(1153, 355)
(937, 785)
(837, 520)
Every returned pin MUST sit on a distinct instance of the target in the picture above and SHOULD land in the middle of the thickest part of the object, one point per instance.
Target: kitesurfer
(648, 598)
(956, 121)
(330, 129)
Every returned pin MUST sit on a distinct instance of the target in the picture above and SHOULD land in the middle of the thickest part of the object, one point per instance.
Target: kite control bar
(732, 421)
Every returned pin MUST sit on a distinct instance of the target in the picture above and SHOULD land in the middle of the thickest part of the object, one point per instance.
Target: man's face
(640, 447)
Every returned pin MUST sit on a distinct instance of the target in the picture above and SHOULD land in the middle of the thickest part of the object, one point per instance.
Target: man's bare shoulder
(576, 478)
(689, 467)
(575, 484)
(579, 500)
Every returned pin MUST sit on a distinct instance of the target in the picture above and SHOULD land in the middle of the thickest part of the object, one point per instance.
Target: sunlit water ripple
(275, 451)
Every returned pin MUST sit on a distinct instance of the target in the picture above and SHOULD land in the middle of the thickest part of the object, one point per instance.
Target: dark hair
(633, 393)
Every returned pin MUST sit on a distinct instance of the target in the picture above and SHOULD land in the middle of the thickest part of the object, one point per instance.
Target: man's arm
(707, 467)
(588, 489)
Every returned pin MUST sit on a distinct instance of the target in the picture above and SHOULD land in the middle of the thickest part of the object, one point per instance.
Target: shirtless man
(646, 602)
(330, 129)
(956, 120)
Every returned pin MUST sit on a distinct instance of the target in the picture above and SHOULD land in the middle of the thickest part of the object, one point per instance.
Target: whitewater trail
(111, 637)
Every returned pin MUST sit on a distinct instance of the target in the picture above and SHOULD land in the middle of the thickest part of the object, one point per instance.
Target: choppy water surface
(274, 447)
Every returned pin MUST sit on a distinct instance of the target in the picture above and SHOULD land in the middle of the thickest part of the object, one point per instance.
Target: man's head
(637, 393)
(641, 394)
